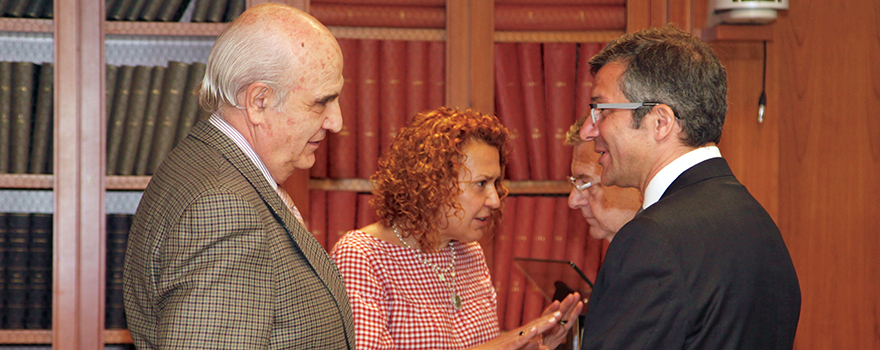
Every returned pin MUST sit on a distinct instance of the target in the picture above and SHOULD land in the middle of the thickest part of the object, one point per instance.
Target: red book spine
(397, 16)
(341, 215)
(525, 223)
(365, 213)
(560, 227)
(393, 92)
(577, 235)
(535, 2)
(560, 18)
(417, 78)
(436, 74)
(509, 107)
(503, 259)
(368, 109)
(423, 3)
(533, 102)
(584, 85)
(317, 220)
(560, 61)
(542, 238)
(342, 150)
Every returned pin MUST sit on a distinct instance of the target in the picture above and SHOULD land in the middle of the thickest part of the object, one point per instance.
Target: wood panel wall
(829, 183)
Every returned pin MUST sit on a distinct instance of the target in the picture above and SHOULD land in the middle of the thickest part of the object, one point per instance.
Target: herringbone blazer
(216, 261)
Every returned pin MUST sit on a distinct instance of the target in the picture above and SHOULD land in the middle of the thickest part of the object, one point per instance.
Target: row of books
(149, 110)
(26, 103)
(26, 8)
(25, 270)
(509, 15)
(174, 10)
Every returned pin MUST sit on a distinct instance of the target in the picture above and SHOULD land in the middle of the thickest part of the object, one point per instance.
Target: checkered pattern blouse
(398, 302)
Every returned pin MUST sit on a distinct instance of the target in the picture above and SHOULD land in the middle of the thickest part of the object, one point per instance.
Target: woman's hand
(526, 336)
(570, 308)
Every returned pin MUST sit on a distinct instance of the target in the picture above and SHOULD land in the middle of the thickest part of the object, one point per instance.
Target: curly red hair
(417, 180)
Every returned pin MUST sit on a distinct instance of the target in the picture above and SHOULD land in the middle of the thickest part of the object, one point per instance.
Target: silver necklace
(454, 298)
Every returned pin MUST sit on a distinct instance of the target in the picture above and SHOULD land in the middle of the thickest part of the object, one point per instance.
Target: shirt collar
(242, 144)
(671, 171)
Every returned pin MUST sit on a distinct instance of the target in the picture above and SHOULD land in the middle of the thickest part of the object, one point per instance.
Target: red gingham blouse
(398, 302)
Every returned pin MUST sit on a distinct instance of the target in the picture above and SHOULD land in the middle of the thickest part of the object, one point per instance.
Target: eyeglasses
(597, 108)
(579, 185)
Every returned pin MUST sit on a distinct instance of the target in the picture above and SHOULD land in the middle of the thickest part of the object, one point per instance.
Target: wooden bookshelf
(515, 187)
(25, 336)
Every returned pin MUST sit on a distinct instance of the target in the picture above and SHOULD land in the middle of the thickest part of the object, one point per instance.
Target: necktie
(288, 202)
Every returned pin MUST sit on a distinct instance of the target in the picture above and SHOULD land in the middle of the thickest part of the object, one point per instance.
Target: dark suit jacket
(703, 268)
(215, 260)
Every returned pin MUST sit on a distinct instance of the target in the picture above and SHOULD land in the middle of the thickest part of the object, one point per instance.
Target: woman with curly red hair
(417, 278)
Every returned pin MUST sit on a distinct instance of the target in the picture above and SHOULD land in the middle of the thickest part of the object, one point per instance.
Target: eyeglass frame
(628, 105)
(580, 188)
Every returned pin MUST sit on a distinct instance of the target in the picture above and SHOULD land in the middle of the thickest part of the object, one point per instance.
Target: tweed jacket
(705, 267)
(216, 261)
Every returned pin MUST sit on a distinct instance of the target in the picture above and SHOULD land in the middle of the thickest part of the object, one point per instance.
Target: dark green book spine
(39, 294)
(4, 267)
(5, 115)
(116, 123)
(200, 12)
(235, 8)
(15, 8)
(189, 110)
(116, 9)
(149, 127)
(41, 150)
(172, 10)
(117, 239)
(17, 273)
(22, 110)
(110, 90)
(135, 9)
(134, 120)
(151, 10)
(216, 11)
(169, 112)
(34, 8)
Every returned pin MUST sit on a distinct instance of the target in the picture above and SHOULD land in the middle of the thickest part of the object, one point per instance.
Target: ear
(258, 97)
(665, 124)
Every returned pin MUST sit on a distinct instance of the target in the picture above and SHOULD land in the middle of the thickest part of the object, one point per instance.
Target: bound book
(533, 106)
(118, 226)
(39, 294)
(317, 220)
(368, 109)
(22, 114)
(542, 236)
(560, 60)
(584, 87)
(416, 79)
(341, 215)
(134, 120)
(436, 74)
(190, 112)
(17, 269)
(392, 88)
(148, 129)
(509, 107)
(522, 239)
(503, 256)
(173, 90)
(4, 264)
(559, 17)
(116, 122)
(41, 142)
(5, 115)
(400, 16)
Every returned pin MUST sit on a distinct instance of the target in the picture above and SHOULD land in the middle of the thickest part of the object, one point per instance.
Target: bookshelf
(80, 186)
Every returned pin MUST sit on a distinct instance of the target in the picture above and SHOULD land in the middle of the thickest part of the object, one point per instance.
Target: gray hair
(675, 68)
(242, 55)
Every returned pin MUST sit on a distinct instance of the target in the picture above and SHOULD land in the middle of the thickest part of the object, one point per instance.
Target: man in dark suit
(217, 256)
(703, 266)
